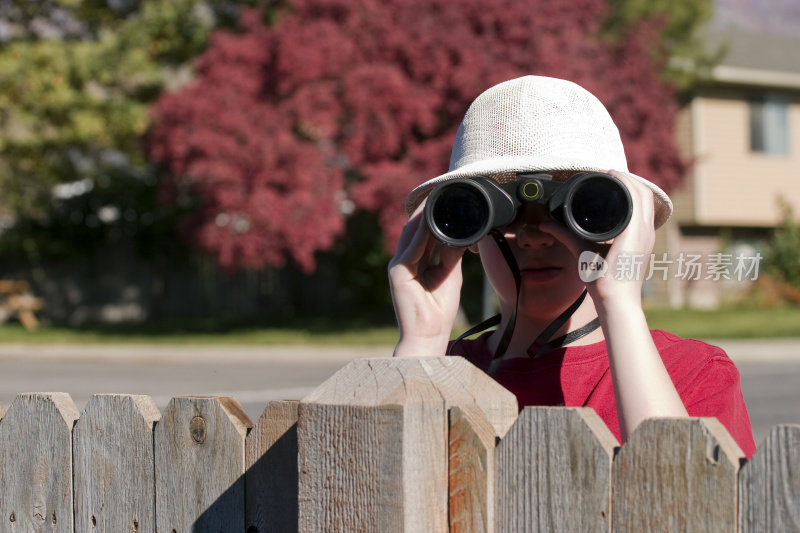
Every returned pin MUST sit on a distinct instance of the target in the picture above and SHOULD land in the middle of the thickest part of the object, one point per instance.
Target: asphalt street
(770, 371)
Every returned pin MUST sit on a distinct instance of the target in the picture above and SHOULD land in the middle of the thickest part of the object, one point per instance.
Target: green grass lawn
(718, 324)
(728, 323)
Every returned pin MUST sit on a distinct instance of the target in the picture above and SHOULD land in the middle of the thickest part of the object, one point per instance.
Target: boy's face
(549, 271)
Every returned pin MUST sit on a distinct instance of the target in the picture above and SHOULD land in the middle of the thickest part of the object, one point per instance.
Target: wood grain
(36, 463)
(200, 464)
(114, 464)
(271, 478)
(471, 471)
(677, 475)
(769, 484)
(553, 472)
(380, 380)
(379, 426)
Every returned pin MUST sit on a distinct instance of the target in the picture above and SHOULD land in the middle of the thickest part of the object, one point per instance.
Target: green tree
(783, 259)
(678, 25)
(76, 80)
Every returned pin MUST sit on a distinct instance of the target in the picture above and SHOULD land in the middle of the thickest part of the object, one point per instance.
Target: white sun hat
(535, 123)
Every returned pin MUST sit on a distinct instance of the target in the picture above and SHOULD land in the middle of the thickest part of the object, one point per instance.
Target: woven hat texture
(536, 123)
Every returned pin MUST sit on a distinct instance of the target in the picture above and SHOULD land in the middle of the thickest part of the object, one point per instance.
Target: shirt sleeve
(716, 391)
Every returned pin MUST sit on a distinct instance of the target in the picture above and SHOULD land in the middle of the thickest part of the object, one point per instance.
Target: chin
(544, 302)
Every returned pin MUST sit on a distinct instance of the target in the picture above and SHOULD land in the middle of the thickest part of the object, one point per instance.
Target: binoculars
(593, 205)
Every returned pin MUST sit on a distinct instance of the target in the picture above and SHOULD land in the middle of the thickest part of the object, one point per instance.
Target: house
(741, 130)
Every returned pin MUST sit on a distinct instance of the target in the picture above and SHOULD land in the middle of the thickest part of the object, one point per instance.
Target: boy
(560, 340)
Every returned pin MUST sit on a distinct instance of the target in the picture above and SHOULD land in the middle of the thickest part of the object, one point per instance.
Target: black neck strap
(542, 341)
(505, 249)
(563, 340)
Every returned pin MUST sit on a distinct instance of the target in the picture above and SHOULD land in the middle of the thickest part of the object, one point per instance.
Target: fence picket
(271, 478)
(199, 453)
(392, 445)
(36, 463)
(552, 472)
(769, 484)
(364, 488)
(372, 442)
(114, 464)
(683, 472)
(471, 471)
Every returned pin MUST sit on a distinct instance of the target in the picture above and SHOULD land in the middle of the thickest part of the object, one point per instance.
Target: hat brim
(662, 203)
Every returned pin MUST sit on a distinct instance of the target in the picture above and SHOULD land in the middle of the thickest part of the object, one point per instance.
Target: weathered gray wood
(472, 441)
(362, 449)
(36, 463)
(114, 464)
(381, 381)
(552, 472)
(271, 478)
(676, 475)
(372, 442)
(769, 484)
(200, 464)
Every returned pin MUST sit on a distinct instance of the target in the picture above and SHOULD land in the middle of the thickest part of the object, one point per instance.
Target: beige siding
(732, 185)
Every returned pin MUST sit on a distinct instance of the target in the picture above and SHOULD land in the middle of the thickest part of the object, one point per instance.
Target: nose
(525, 229)
(528, 235)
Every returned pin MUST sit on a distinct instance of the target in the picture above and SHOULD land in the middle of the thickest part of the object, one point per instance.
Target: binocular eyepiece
(593, 205)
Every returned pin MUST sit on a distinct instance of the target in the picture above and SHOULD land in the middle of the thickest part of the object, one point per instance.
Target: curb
(755, 351)
(744, 351)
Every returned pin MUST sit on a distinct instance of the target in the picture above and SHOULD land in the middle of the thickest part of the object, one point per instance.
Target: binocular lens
(599, 205)
(593, 205)
(461, 213)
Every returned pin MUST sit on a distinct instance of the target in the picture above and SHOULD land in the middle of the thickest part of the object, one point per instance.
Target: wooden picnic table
(17, 300)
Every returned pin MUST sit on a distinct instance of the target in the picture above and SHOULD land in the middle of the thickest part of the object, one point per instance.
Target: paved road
(255, 375)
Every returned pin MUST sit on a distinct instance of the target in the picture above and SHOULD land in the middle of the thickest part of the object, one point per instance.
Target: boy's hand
(626, 256)
(425, 280)
(642, 386)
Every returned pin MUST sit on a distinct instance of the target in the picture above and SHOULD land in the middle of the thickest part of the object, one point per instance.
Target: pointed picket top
(57, 402)
(141, 404)
(200, 464)
(683, 470)
(769, 484)
(61, 401)
(387, 419)
(553, 472)
(114, 464)
(401, 380)
(36, 462)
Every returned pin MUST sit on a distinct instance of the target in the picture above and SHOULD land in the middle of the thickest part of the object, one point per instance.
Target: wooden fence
(413, 445)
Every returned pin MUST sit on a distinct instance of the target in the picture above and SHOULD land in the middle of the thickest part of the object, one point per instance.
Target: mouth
(540, 274)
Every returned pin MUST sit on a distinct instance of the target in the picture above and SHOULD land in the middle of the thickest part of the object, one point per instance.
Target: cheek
(497, 271)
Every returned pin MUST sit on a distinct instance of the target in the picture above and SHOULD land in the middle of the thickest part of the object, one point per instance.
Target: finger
(409, 230)
(418, 246)
(641, 194)
(450, 256)
(639, 236)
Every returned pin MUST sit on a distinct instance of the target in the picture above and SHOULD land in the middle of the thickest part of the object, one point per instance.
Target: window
(769, 124)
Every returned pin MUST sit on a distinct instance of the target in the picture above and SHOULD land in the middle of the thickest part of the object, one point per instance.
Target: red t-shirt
(705, 378)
